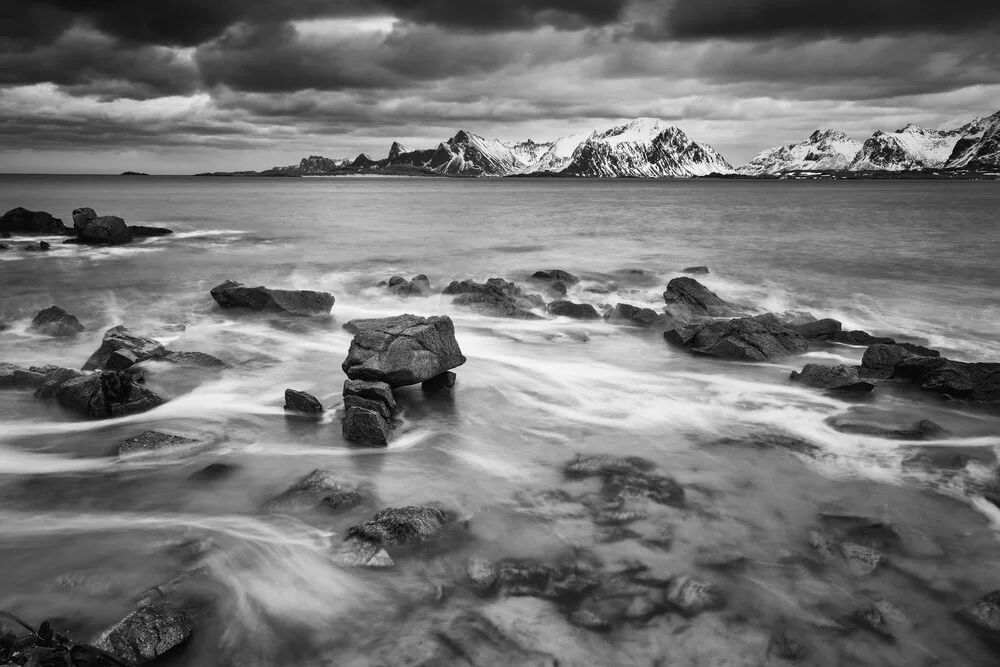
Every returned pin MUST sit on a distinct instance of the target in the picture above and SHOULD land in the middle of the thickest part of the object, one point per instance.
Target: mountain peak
(828, 135)
(397, 149)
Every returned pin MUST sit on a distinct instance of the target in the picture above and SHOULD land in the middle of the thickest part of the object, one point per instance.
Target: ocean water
(84, 532)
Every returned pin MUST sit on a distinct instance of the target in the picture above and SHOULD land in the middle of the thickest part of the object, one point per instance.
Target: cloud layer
(188, 85)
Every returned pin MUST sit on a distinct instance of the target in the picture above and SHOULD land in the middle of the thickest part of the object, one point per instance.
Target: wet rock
(22, 221)
(18, 377)
(142, 231)
(624, 313)
(232, 294)
(872, 619)
(858, 337)
(473, 639)
(880, 360)
(440, 382)
(419, 286)
(193, 360)
(924, 429)
(576, 311)
(943, 457)
(660, 489)
(588, 620)
(403, 525)
(146, 634)
(213, 472)
(616, 534)
(361, 553)
(302, 403)
(496, 297)
(402, 350)
(861, 560)
(618, 517)
(380, 407)
(770, 441)
(956, 379)
(696, 270)
(365, 426)
(661, 537)
(106, 394)
(99, 230)
(742, 339)
(121, 360)
(56, 322)
(840, 378)
(722, 559)
(786, 647)
(53, 380)
(688, 299)
(692, 596)
(122, 338)
(983, 616)
(41, 246)
(591, 466)
(151, 441)
(320, 489)
(820, 329)
(553, 276)
(378, 391)
(481, 573)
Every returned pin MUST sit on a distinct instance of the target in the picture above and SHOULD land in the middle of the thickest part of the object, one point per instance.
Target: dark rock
(857, 337)
(553, 276)
(232, 294)
(121, 360)
(122, 338)
(18, 377)
(41, 246)
(193, 359)
(382, 408)
(837, 378)
(880, 360)
(83, 217)
(106, 394)
(936, 458)
(44, 245)
(770, 441)
(360, 553)
(742, 339)
(956, 379)
(139, 231)
(592, 466)
(873, 620)
(983, 616)
(919, 350)
(495, 297)
(584, 618)
(213, 472)
(22, 221)
(445, 380)
(378, 391)
(105, 229)
(365, 426)
(146, 634)
(624, 313)
(56, 322)
(4, 246)
(696, 270)
(661, 489)
(404, 525)
(577, 311)
(821, 329)
(320, 489)
(618, 517)
(402, 350)
(861, 559)
(687, 299)
(924, 429)
(302, 402)
(152, 441)
(53, 380)
(692, 596)
(419, 286)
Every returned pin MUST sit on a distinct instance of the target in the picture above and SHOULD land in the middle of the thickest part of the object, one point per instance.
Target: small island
(133, 173)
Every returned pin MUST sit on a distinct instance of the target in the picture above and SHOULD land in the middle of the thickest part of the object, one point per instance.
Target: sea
(84, 533)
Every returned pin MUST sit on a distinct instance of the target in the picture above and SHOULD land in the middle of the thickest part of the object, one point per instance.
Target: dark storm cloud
(755, 19)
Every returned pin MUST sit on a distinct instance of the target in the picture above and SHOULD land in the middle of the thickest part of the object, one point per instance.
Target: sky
(182, 86)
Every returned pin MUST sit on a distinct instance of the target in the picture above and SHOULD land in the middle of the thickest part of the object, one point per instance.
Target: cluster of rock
(388, 353)
(496, 297)
(419, 286)
(88, 228)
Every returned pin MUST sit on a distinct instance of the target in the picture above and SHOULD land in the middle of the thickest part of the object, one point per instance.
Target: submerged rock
(56, 322)
(404, 525)
(576, 311)
(232, 294)
(361, 553)
(692, 596)
(554, 275)
(402, 350)
(824, 329)
(302, 403)
(139, 231)
(193, 359)
(696, 270)
(419, 286)
(320, 489)
(481, 573)
(152, 441)
(983, 616)
(924, 429)
(445, 380)
(22, 221)
(741, 339)
(591, 466)
(835, 378)
(106, 394)
(146, 634)
(956, 379)
(624, 313)
(124, 339)
(688, 299)
(495, 297)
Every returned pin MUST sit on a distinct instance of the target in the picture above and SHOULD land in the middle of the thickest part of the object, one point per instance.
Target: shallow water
(85, 532)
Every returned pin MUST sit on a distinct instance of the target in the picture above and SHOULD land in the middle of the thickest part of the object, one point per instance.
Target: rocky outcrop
(624, 313)
(924, 429)
(404, 525)
(141, 231)
(983, 616)
(440, 382)
(835, 378)
(105, 229)
(232, 294)
(146, 634)
(696, 270)
(368, 410)
(193, 359)
(19, 377)
(495, 297)
(419, 286)
(106, 394)
(55, 379)
(132, 347)
(955, 379)
(22, 221)
(402, 350)
(687, 299)
(320, 489)
(576, 311)
(553, 276)
(741, 339)
(56, 322)
(824, 329)
(880, 360)
(302, 403)
(152, 441)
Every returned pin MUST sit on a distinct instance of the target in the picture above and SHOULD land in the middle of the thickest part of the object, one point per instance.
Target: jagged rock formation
(830, 150)
(979, 148)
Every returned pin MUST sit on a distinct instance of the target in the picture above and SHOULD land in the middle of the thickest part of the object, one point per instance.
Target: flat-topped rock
(302, 402)
(56, 322)
(696, 270)
(551, 276)
(140, 231)
(121, 338)
(576, 311)
(152, 441)
(834, 378)
(106, 394)
(402, 350)
(232, 294)
(741, 339)
(403, 525)
(22, 221)
(104, 229)
(320, 489)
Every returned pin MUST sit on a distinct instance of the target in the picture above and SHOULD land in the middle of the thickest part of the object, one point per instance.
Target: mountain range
(650, 148)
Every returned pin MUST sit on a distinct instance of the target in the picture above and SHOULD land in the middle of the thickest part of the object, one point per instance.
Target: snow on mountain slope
(979, 147)
(824, 150)
(910, 148)
(527, 152)
(644, 148)
(468, 154)
(559, 154)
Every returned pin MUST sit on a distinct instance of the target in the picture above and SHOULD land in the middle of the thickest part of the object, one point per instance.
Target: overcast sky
(179, 86)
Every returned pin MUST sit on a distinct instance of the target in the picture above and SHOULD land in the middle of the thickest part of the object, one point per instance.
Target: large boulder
(495, 297)
(139, 231)
(419, 286)
(576, 311)
(320, 489)
(56, 322)
(147, 633)
(365, 425)
(302, 402)
(403, 525)
(741, 339)
(956, 379)
(22, 221)
(402, 350)
(106, 394)
(880, 360)
(232, 294)
(122, 339)
(688, 299)
(836, 378)
(554, 276)
(104, 229)
(55, 379)
(822, 329)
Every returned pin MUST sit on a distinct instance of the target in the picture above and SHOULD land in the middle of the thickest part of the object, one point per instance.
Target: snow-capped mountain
(979, 147)
(527, 152)
(825, 150)
(910, 148)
